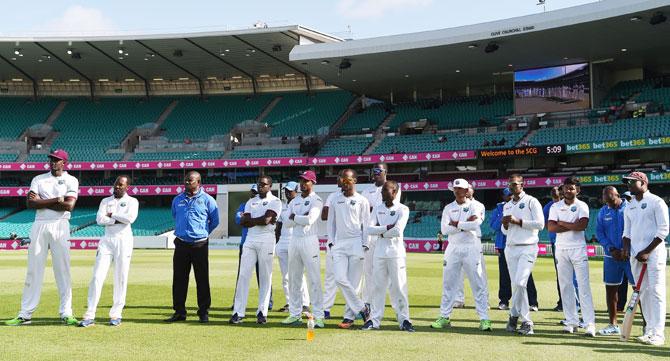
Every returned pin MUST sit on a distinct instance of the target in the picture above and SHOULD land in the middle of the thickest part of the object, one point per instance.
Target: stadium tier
(447, 141)
(8, 157)
(304, 114)
(345, 146)
(18, 114)
(149, 156)
(265, 153)
(199, 119)
(367, 120)
(88, 129)
(462, 112)
(623, 129)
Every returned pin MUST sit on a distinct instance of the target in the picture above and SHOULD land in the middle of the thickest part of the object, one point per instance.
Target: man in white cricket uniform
(374, 196)
(304, 252)
(348, 218)
(645, 230)
(568, 219)
(281, 249)
(461, 221)
(522, 221)
(53, 195)
(260, 216)
(388, 221)
(116, 213)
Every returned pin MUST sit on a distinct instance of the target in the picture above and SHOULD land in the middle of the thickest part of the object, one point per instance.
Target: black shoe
(365, 313)
(260, 319)
(176, 318)
(283, 309)
(407, 326)
(204, 318)
(368, 326)
(326, 315)
(305, 309)
(558, 308)
(235, 319)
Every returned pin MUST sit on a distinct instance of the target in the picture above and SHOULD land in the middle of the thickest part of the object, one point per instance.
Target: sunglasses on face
(631, 181)
(514, 184)
(377, 171)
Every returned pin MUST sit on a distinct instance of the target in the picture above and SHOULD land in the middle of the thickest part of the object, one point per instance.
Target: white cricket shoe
(590, 330)
(569, 329)
(655, 340)
(610, 330)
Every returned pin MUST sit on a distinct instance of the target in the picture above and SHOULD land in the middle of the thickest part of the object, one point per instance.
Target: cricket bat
(631, 309)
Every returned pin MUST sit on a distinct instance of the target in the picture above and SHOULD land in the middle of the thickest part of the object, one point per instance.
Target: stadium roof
(225, 54)
(452, 58)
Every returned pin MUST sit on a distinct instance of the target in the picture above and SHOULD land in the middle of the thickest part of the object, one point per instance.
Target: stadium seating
(87, 129)
(304, 114)
(265, 153)
(369, 118)
(19, 113)
(176, 155)
(624, 129)
(198, 119)
(8, 157)
(345, 146)
(456, 113)
(150, 221)
(453, 141)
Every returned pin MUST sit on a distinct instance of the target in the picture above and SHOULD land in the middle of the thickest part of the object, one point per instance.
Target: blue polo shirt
(238, 219)
(495, 221)
(195, 217)
(609, 228)
(545, 210)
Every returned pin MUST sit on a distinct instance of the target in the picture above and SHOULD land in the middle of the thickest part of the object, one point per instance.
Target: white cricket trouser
(520, 263)
(573, 262)
(118, 250)
(45, 235)
(348, 269)
(368, 287)
(469, 258)
(281, 249)
(460, 294)
(304, 257)
(329, 285)
(261, 251)
(393, 270)
(652, 290)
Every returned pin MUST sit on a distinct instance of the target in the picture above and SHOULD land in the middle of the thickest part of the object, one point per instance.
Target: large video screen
(558, 88)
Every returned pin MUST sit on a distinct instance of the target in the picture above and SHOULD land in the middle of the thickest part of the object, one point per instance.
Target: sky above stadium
(543, 74)
(344, 18)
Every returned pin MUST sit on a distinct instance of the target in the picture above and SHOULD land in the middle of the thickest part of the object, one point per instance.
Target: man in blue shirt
(504, 282)
(616, 268)
(196, 215)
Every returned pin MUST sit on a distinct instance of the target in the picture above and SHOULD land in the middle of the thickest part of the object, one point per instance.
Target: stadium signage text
(519, 29)
(522, 152)
(618, 145)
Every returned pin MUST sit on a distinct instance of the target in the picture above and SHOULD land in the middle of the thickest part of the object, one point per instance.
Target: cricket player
(522, 221)
(568, 219)
(616, 268)
(374, 196)
(644, 232)
(260, 215)
(53, 195)
(304, 253)
(461, 221)
(116, 213)
(284, 234)
(348, 218)
(329, 286)
(388, 221)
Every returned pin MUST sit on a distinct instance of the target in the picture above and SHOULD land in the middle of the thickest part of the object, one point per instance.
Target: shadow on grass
(606, 346)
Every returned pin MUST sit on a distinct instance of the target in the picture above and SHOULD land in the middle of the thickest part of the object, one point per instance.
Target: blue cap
(292, 186)
(254, 188)
(506, 192)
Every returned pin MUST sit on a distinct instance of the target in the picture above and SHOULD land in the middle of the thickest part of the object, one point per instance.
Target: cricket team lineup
(365, 253)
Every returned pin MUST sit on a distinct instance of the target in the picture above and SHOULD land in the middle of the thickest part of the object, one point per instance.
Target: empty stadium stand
(451, 141)
(150, 156)
(345, 146)
(19, 113)
(366, 120)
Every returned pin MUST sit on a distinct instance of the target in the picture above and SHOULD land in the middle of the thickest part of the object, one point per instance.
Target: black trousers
(505, 284)
(185, 256)
(623, 294)
(559, 303)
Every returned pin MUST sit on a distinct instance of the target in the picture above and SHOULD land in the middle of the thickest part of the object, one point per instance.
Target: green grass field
(143, 335)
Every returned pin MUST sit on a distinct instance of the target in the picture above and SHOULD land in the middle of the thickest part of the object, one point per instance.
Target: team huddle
(365, 253)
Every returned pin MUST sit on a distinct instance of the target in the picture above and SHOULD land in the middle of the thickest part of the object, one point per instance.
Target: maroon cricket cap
(59, 154)
(637, 176)
(308, 175)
